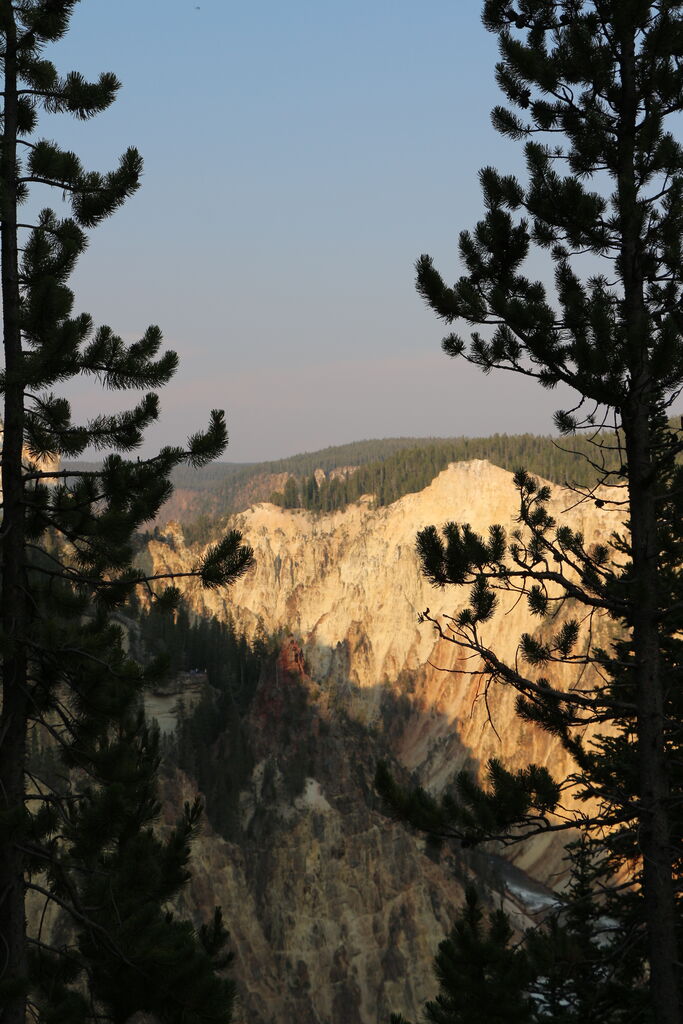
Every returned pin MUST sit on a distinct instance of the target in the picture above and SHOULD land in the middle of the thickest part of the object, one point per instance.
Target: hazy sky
(298, 158)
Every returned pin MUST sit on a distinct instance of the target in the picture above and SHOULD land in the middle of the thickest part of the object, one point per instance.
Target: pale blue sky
(298, 157)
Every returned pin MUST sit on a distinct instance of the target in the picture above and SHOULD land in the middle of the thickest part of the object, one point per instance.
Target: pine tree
(592, 87)
(483, 975)
(291, 494)
(574, 967)
(585, 969)
(83, 841)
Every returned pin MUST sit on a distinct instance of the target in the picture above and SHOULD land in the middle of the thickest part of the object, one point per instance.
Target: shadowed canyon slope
(336, 912)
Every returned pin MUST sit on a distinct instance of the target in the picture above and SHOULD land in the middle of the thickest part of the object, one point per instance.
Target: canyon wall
(335, 911)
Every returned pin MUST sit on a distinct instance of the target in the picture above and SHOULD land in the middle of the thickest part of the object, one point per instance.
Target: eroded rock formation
(335, 911)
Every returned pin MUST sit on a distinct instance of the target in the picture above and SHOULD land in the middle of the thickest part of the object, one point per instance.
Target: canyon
(335, 911)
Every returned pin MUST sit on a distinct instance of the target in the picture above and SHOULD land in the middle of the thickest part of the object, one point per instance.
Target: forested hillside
(411, 469)
(232, 666)
(388, 468)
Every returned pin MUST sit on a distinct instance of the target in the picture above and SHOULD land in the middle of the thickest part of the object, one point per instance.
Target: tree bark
(13, 607)
(654, 833)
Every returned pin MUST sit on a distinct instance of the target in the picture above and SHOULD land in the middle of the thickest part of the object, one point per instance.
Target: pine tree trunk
(654, 834)
(13, 598)
(653, 830)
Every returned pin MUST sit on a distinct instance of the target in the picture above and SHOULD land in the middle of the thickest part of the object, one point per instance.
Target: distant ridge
(388, 468)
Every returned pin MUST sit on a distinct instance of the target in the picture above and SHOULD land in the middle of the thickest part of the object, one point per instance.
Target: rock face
(335, 911)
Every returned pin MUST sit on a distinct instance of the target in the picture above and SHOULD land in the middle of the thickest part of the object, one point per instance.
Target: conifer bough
(593, 89)
(81, 841)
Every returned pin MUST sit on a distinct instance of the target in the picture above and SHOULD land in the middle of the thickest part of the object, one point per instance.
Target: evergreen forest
(230, 666)
(413, 468)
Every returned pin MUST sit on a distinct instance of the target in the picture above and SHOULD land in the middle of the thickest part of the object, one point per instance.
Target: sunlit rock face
(335, 911)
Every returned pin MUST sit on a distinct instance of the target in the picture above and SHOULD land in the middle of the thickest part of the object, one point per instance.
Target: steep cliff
(335, 911)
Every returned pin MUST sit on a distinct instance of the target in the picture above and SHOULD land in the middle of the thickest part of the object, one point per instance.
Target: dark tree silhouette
(82, 841)
(593, 87)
